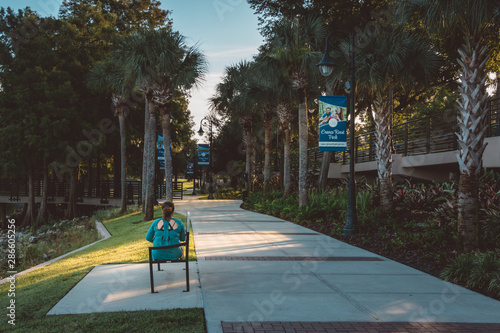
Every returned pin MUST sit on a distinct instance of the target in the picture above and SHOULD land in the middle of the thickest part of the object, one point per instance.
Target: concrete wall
(438, 166)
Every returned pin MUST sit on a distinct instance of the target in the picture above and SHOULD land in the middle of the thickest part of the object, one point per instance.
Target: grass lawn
(37, 292)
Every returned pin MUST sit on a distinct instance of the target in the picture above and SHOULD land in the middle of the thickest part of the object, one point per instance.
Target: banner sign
(190, 167)
(203, 155)
(161, 150)
(332, 123)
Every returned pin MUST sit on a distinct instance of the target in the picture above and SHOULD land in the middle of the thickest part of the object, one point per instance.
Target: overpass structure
(424, 148)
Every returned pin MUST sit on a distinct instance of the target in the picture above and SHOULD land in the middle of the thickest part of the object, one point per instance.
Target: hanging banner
(332, 123)
(190, 167)
(161, 150)
(203, 155)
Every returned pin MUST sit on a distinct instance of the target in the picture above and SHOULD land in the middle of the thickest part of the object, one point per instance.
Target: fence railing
(103, 190)
(433, 134)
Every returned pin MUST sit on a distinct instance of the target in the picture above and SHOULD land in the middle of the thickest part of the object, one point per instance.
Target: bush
(480, 271)
(228, 193)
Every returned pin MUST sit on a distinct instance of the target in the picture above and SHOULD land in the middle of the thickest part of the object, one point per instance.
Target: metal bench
(184, 258)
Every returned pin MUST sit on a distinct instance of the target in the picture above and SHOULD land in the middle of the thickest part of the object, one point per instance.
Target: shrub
(476, 270)
(228, 193)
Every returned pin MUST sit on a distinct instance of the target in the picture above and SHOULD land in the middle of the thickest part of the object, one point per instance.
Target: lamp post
(326, 66)
(194, 170)
(208, 122)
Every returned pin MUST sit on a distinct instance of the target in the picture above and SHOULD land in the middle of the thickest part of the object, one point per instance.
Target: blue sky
(225, 30)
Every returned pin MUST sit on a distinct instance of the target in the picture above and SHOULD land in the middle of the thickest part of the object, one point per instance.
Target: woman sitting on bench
(166, 231)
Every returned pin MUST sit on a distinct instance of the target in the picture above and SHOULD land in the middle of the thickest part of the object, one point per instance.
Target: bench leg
(187, 276)
(151, 277)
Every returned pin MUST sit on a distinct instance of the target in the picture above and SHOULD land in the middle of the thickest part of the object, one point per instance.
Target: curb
(103, 234)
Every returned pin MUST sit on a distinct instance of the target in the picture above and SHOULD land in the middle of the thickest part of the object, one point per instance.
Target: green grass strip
(37, 292)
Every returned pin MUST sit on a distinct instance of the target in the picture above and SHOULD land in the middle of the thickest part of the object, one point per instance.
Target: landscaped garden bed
(421, 232)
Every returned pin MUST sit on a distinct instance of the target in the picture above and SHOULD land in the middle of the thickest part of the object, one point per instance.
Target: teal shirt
(166, 237)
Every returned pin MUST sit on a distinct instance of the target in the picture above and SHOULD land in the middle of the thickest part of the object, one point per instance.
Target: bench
(178, 190)
(184, 258)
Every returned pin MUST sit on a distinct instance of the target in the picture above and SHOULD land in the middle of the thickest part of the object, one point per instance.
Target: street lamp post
(326, 66)
(208, 122)
(194, 170)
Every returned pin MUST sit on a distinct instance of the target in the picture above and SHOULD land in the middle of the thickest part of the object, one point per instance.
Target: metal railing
(103, 190)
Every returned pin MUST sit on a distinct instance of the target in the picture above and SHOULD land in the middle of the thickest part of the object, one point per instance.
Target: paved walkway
(262, 274)
(258, 273)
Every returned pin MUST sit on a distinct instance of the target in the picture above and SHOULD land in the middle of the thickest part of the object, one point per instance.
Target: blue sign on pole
(161, 150)
(203, 155)
(332, 123)
(190, 167)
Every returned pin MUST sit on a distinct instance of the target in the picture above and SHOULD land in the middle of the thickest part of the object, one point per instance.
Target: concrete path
(259, 270)
(257, 273)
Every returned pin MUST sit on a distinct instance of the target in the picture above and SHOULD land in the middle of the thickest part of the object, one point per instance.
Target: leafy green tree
(37, 101)
(474, 23)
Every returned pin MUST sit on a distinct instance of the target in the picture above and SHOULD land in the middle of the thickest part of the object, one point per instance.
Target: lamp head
(201, 131)
(326, 64)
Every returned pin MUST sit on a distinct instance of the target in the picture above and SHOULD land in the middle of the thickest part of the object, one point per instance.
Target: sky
(225, 31)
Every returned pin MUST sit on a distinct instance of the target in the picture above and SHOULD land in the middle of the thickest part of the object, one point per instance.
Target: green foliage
(45, 287)
(228, 193)
(326, 211)
(476, 270)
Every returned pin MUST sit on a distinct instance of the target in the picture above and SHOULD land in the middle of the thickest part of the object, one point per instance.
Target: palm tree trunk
(383, 152)
(145, 152)
(30, 215)
(248, 156)
(43, 212)
(286, 161)
(123, 160)
(472, 120)
(71, 209)
(150, 186)
(267, 154)
(303, 134)
(165, 124)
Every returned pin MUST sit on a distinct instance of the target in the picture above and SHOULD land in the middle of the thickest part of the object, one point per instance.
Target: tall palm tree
(263, 92)
(285, 114)
(394, 59)
(292, 44)
(161, 59)
(108, 76)
(473, 21)
(273, 90)
(232, 100)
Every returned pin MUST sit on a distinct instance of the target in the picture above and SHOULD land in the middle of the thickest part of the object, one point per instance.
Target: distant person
(325, 118)
(338, 114)
(167, 231)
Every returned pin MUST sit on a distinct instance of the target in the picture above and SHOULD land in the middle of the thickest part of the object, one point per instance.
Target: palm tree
(473, 21)
(285, 117)
(162, 61)
(108, 76)
(273, 90)
(263, 91)
(232, 100)
(394, 59)
(292, 43)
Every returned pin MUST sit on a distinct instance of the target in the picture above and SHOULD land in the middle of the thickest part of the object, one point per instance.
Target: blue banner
(203, 155)
(161, 150)
(332, 123)
(190, 167)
